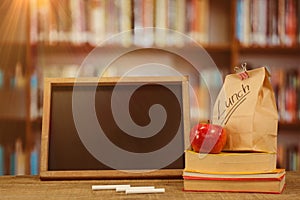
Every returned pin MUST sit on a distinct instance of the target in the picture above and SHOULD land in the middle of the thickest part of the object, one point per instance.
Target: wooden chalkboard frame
(46, 174)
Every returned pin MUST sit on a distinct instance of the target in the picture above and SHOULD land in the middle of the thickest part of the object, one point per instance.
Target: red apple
(207, 138)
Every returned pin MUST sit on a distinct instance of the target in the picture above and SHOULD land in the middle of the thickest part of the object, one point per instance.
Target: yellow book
(230, 162)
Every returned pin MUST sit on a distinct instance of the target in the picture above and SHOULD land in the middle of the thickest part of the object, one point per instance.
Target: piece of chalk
(107, 187)
(144, 191)
(123, 189)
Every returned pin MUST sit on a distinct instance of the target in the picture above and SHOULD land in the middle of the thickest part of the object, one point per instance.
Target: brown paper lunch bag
(247, 109)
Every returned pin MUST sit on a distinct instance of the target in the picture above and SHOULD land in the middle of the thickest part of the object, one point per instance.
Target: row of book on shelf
(93, 21)
(288, 157)
(285, 81)
(237, 165)
(13, 160)
(14, 80)
(286, 85)
(268, 23)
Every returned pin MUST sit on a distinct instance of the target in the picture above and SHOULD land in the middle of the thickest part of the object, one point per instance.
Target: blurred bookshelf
(267, 34)
(50, 38)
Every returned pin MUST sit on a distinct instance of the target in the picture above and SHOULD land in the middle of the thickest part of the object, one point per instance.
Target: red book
(291, 23)
(258, 183)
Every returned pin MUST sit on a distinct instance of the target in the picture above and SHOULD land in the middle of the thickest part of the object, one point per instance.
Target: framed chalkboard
(107, 128)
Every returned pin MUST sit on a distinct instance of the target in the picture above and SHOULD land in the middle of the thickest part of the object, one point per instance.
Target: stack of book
(233, 172)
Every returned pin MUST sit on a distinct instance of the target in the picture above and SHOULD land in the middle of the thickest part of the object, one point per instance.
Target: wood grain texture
(31, 187)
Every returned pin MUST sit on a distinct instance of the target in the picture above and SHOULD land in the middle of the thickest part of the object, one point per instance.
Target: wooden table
(31, 187)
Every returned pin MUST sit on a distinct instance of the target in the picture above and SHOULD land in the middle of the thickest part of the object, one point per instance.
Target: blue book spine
(1, 161)
(239, 19)
(34, 163)
(1, 79)
(13, 163)
(12, 82)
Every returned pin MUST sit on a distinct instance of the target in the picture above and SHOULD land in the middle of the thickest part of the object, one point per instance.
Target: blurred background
(52, 38)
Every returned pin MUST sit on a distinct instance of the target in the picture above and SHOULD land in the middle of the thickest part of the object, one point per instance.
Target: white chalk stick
(123, 189)
(145, 191)
(107, 187)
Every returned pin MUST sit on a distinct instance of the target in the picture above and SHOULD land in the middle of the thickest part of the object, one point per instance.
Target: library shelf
(35, 55)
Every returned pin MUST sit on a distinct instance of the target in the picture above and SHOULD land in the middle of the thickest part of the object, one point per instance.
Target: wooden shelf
(67, 53)
(12, 103)
(11, 130)
(270, 49)
(83, 48)
(61, 48)
(9, 119)
(291, 127)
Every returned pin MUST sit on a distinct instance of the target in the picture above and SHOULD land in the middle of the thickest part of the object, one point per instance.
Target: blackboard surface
(66, 151)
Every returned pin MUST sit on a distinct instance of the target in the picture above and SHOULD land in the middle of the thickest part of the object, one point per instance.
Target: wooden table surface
(31, 187)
